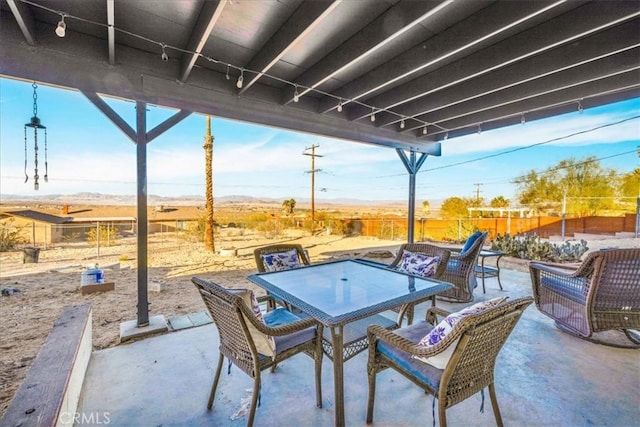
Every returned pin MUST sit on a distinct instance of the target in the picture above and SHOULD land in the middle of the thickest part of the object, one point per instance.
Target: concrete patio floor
(544, 377)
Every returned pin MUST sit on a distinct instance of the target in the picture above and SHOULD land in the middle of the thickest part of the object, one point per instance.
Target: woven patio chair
(426, 249)
(262, 255)
(243, 337)
(461, 270)
(476, 341)
(601, 294)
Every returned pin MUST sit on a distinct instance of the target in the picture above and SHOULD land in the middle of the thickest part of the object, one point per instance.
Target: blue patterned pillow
(281, 261)
(418, 264)
(447, 325)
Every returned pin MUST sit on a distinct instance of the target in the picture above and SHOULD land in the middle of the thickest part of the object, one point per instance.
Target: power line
(502, 153)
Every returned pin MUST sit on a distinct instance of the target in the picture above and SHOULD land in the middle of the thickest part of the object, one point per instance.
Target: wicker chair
(260, 253)
(234, 320)
(427, 249)
(470, 369)
(602, 294)
(461, 270)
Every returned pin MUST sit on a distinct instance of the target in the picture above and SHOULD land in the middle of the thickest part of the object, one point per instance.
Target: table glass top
(341, 287)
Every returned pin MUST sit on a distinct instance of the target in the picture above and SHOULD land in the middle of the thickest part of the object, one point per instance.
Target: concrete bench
(49, 394)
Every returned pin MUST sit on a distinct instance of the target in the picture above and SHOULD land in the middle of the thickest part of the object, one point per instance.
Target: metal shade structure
(404, 74)
(444, 66)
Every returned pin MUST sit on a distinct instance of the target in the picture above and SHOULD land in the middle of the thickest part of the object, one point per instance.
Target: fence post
(637, 216)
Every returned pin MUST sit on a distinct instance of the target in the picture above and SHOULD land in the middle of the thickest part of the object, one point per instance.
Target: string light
(61, 29)
(522, 119)
(402, 123)
(61, 32)
(165, 57)
(240, 79)
(296, 95)
(446, 136)
(424, 130)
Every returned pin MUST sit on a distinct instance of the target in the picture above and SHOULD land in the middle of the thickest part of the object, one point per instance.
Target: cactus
(530, 247)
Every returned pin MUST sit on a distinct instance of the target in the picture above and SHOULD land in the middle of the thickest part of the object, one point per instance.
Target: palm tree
(209, 242)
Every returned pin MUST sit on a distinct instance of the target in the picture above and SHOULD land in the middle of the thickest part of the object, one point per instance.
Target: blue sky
(87, 153)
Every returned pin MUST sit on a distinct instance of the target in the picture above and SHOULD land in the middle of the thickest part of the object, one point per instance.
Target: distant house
(43, 228)
(35, 227)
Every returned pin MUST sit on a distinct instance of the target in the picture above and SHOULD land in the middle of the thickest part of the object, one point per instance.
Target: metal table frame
(483, 271)
(341, 275)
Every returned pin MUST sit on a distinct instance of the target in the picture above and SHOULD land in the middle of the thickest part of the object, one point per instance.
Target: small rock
(9, 291)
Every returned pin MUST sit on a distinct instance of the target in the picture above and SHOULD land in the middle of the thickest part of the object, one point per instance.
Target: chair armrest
(433, 313)
(555, 268)
(377, 333)
(280, 330)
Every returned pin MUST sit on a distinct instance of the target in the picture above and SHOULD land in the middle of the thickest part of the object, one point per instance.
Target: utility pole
(478, 191)
(313, 171)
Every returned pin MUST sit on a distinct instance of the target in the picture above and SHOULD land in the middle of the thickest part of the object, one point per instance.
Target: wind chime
(35, 124)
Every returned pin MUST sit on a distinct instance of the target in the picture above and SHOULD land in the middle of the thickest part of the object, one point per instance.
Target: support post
(413, 165)
(141, 138)
(143, 228)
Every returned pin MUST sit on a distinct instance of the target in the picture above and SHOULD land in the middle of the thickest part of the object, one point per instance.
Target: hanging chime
(35, 124)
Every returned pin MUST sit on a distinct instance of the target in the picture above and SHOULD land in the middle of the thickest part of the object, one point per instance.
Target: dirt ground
(46, 287)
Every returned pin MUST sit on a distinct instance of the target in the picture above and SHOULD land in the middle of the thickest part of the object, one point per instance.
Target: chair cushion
(281, 260)
(265, 344)
(446, 326)
(427, 373)
(282, 316)
(470, 241)
(572, 288)
(418, 264)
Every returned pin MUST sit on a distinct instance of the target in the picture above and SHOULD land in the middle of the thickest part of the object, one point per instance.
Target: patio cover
(428, 71)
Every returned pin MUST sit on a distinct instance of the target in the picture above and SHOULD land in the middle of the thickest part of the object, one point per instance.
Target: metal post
(143, 229)
(564, 214)
(412, 164)
(637, 217)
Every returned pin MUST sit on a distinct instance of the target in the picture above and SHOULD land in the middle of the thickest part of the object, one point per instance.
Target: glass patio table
(346, 296)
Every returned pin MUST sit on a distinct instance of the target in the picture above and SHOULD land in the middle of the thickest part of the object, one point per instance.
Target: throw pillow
(281, 261)
(418, 264)
(265, 344)
(470, 241)
(446, 326)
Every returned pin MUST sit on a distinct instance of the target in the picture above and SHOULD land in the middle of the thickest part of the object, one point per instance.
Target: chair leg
(215, 381)
(254, 399)
(372, 394)
(442, 413)
(494, 405)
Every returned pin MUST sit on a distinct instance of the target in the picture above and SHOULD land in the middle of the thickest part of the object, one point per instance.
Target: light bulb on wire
(61, 29)
(296, 95)
(340, 106)
(240, 79)
(373, 115)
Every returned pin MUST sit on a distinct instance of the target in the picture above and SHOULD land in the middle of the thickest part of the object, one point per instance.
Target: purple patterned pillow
(281, 261)
(445, 327)
(418, 264)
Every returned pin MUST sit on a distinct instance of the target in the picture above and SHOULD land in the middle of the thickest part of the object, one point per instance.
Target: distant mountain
(88, 198)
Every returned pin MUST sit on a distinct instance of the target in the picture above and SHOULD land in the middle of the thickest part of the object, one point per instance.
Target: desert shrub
(196, 229)
(123, 257)
(530, 247)
(9, 236)
(336, 227)
(106, 234)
